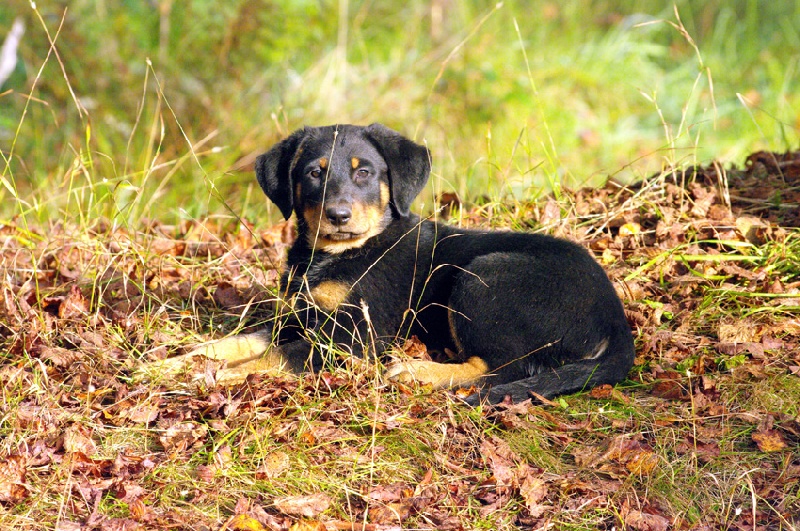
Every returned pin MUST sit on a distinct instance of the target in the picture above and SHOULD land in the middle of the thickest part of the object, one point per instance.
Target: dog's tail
(608, 366)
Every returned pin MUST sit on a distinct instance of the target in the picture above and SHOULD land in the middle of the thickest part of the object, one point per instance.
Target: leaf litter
(703, 435)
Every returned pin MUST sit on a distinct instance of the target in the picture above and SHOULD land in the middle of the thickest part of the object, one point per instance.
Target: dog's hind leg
(548, 330)
(608, 363)
(438, 375)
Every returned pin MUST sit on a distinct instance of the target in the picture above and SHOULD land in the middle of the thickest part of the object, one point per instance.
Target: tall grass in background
(150, 109)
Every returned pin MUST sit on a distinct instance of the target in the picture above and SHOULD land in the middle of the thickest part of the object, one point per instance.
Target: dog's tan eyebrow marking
(355, 162)
(323, 162)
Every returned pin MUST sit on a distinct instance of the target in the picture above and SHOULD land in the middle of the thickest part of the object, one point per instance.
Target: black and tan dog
(517, 312)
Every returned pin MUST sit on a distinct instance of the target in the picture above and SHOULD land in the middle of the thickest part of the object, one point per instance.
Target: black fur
(409, 165)
(273, 171)
(532, 307)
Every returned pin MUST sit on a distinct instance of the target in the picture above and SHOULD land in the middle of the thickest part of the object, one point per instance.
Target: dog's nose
(339, 214)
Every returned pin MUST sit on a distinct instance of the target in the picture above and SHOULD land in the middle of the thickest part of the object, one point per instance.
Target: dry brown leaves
(12, 479)
(80, 308)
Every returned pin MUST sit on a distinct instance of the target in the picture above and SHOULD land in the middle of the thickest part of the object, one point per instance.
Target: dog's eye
(314, 173)
(362, 173)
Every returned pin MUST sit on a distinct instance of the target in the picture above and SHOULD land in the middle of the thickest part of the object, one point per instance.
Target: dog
(517, 313)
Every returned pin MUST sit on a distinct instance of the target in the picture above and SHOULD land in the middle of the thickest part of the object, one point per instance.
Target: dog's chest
(386, 274)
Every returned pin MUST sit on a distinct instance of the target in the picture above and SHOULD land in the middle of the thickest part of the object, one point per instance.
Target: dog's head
(345, 182)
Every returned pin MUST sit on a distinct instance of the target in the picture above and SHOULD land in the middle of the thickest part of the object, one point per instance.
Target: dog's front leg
(244, 354)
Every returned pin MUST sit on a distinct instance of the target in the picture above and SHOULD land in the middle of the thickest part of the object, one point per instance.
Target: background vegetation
(158, 103)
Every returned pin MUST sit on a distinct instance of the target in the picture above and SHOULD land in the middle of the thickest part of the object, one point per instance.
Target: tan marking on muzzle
(365, 222)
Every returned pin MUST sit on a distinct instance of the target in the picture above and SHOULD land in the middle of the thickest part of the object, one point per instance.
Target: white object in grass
(8, 53)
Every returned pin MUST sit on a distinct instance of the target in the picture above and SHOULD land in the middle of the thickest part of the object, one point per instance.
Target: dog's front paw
(243, 354)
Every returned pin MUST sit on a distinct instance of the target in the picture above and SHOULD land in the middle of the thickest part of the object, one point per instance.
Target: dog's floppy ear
(274, 168)
(409, 164)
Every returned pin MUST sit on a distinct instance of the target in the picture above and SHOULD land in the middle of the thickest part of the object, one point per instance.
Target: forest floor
(704, 434)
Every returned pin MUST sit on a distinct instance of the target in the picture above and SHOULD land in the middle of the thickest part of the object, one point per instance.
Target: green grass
(510, 99)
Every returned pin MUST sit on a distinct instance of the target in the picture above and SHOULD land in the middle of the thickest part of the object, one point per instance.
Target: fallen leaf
(390, 513)
(641, 461)
(74, 305)
(533, 490)
(78, 439)
(601, 391)
(226, 296)
(498, 456)
(645, 522)
(705, 451)
(769, 440)
(551, 213)
(308, 506)
(182, 436)
(752, 229)
(669, 386)
(703, 198)
(636, 457)
(243, 522)
(310, 525)
(416, 349)
(206, 473)
(274, 465)
(9, 301)
(608, 257)
(283, 233)
(12, 479)
(129, 491)
(390, 493)
(734, 349)
(58, 356)
(630, 229)
(162, 246)
(137, 509)
(141, 413)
